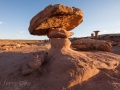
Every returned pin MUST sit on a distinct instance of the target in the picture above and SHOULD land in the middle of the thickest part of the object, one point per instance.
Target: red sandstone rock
(59, 33)
(118, 44)
(26, 70)
(36, 62)
(91, 44)
(106, 79)
(72, 67)
(57, 15)
(66, 68)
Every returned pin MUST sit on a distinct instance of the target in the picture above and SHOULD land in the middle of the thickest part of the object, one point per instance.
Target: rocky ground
(13, 54)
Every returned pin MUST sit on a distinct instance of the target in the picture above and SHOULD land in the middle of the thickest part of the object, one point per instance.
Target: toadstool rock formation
(65, 67)
(92, 35)
(96, 34)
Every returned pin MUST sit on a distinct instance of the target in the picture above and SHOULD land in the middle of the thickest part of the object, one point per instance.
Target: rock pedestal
(92, 35)
(96, 34)
(69, 66)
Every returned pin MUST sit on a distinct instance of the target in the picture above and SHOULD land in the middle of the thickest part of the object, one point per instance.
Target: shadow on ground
(116, 50)
(11, 78)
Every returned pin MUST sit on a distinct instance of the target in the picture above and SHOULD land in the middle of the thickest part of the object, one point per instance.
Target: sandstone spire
(96, 34)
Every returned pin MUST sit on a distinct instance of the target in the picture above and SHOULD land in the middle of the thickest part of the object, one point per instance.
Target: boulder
(37, 61)
(34, 64)
(59, 33)
(91, 44)
(57, 15)
(26, 70)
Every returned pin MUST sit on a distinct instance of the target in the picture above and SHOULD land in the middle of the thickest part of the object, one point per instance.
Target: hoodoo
(66, 67)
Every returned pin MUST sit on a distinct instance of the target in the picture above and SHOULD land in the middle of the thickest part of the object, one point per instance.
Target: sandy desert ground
(14, 53)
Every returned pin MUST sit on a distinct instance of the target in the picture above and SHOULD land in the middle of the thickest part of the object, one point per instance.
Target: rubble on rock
(34, 64)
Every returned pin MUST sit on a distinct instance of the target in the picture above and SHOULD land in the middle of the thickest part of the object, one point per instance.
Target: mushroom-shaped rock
(58, 15)
(65, 67)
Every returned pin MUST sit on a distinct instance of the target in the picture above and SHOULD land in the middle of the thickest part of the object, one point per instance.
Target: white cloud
(33, 37)
(117, 31)
(1, 22)
(16, 35)
(21, 32)
(103, 31)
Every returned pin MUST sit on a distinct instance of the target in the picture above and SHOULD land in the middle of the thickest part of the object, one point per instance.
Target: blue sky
(15, 15)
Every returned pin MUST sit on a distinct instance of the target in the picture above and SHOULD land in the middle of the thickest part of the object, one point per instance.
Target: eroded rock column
(96, 34)
(70, 67)
(92, 35)
(59, 40)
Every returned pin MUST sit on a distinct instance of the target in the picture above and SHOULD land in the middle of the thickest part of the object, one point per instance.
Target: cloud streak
(116, 31)
(103, 31)
(21, 32)
(1, 22)
(16, 35)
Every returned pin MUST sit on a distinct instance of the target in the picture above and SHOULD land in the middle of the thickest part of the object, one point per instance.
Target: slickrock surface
(59, 16)
(11, 62)
(72, 67)
(92, 44)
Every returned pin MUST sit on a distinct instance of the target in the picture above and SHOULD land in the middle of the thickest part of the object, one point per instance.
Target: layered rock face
(59, 16)
(91, 44)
